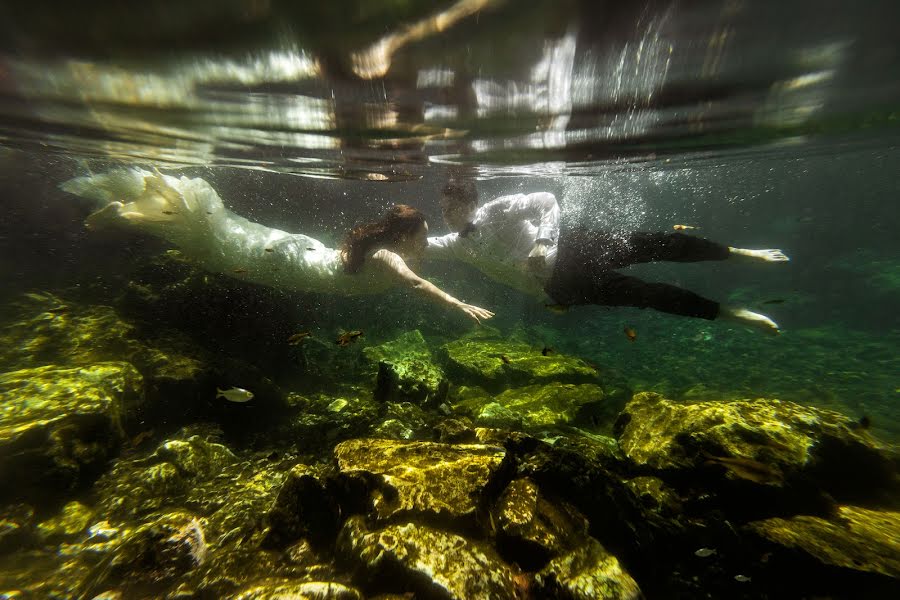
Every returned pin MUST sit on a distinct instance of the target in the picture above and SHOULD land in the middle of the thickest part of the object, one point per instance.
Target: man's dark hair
(459, 191)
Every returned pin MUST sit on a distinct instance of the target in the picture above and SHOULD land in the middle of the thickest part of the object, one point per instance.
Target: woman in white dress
(189, 214)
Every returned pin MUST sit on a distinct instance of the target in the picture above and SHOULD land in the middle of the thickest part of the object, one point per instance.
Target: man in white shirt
(515, 240)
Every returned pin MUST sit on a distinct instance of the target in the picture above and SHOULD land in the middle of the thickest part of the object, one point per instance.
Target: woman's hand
(475, 312)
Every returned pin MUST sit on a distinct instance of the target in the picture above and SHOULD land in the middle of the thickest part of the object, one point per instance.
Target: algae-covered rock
(532, 529)
(404, 421)
(496, 364)
(430, 562)
(161, 549)
(71, 521)
(59, 426)
(303, 508)
(537, 406)
(760, 441)
(422, 478)
(16, 527)
(855, 538)
(323, 420)
(46, 329)
(406, 372)
(587, 573)
(282, 589)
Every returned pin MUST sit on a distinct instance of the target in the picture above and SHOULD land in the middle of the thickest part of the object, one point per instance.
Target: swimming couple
(515, 240)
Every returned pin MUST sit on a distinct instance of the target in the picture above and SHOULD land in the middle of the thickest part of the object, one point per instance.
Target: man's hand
(537, 256)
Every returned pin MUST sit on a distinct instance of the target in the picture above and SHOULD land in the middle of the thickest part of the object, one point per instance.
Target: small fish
(297, 338)
(547, 351)
(170, 212)
(683, 227)
(270, 249)
(705, 552)
(239, 271)
(774, 301)
(505, 359)
(235, 394)
(347, 338)
(209, 212)
(141, 438)
(742, 579)
(765, 557)
(631, 334)
(311, 249)
(559, 309)
(746, 468)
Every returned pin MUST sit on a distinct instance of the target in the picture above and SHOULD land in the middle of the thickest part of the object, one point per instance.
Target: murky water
(373, 440)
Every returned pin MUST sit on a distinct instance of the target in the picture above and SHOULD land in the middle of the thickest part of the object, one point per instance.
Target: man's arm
(540, 208)
(441, 247)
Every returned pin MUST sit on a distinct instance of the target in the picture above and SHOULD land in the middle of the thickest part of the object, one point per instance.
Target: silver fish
(235, 394)
(705, 552)
(742, 578)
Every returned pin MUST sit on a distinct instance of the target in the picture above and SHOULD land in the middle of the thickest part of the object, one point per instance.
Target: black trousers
(585, 263)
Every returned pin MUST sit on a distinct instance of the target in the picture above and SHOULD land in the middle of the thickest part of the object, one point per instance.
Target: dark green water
(537, 455)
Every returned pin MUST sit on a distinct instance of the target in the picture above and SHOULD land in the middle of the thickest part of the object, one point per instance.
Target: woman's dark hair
(459, 191)
(399, 222)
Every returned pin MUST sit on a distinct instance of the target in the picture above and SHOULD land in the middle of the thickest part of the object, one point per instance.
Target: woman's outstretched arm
(396, 265)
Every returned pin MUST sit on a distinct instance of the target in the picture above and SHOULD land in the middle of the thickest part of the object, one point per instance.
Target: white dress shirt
(506, 230)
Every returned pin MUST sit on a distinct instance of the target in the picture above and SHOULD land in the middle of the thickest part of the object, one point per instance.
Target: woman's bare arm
(406, 276)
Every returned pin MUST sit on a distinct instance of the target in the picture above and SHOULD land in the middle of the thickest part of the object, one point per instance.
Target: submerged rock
(497, 364)
(406, 372)
(766, 442)
(303, 508)
(429, 562)
(587, 573)
(72, 521)
(59, 426)
(536, 406)
(531, 529)
(426, 479)
(855, 538)
(283, 589)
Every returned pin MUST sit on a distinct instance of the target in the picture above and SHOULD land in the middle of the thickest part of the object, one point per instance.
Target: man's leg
(609, 288)
(605, 250)
(608, 250)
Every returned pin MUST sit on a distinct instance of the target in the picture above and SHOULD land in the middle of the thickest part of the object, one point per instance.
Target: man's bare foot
(766, 254)
(747, 317)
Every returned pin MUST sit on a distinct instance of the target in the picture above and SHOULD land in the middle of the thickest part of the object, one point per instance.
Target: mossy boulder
(537, 406)
(531, 529)
(428, 480)
(282, 589)
(405, 371)
(854, 538)
(498, 364)
(72, 521)
(588, 572)
(302, 509)
(429, 562)
(766, 442)
(59, 426)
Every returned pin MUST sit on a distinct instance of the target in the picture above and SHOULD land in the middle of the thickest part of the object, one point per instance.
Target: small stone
(587, 573)
(433, 563)
(74, 519)
(425, 478)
